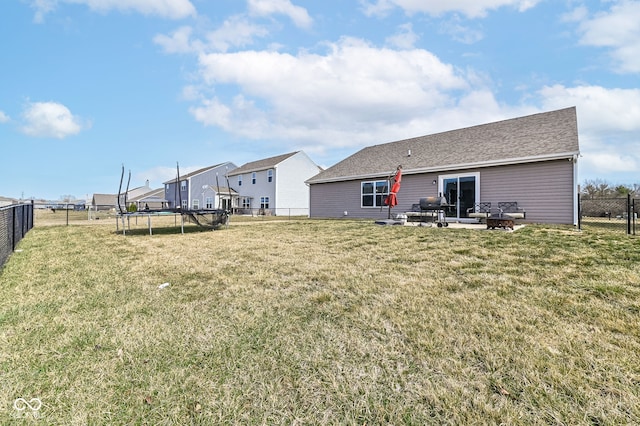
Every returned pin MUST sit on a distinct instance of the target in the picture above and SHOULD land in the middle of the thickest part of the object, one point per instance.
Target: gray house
(202, 189)
(275, 185)
(104, 201)
(530, 160)
(153, 199)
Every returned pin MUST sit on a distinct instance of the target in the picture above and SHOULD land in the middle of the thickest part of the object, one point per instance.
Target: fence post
(25, 218)
(629, 213)
(632, 209)
(579, 212)
(13, 229)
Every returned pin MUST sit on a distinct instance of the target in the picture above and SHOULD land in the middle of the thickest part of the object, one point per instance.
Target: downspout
(275, 190)
(576, 208)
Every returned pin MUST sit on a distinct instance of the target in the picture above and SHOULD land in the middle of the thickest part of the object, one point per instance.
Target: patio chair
(480, 211)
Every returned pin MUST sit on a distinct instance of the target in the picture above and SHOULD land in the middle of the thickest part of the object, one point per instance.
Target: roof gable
(267, 163)
(199, 171)
(147, 196)
(538, 136)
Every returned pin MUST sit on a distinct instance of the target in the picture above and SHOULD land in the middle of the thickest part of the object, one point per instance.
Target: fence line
(15, 221)
(617, 214)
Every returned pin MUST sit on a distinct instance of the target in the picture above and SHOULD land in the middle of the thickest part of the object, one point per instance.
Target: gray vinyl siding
(544, 189)
(530, 160)
(194, 182)
(331, 200)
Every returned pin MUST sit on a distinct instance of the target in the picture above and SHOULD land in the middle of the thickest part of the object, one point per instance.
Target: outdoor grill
(436, 206)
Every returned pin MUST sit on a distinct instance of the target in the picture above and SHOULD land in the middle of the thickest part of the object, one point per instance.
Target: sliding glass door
(461, 192)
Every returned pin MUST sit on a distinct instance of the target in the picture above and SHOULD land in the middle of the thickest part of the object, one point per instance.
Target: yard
(321, 322)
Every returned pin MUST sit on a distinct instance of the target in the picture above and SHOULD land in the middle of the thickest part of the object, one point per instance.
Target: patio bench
(480, 211)
(511, 209)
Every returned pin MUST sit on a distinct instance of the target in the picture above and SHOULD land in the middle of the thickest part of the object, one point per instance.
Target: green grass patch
(322, 322)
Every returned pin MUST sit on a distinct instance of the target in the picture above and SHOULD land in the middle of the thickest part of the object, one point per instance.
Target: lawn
(321, 322)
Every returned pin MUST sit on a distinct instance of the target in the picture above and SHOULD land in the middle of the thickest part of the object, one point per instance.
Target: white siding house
(274, 185)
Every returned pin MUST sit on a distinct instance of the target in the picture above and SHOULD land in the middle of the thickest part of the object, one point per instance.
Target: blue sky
(89, 85)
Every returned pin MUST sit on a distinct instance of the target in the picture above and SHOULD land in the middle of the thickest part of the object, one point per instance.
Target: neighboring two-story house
(275, 185)
(204, 189)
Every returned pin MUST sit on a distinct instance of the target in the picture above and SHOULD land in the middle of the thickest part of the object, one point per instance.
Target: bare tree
(595, 188)
(600, 188)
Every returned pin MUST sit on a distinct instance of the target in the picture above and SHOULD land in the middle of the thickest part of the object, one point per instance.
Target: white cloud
(352, 94)
(603, 162)
(4, 118)
(470, 8)
(171, 9)
(599, 109)
(213, 113)
(297, 14)
(356, 94)
(160, 174)
(578, 14)
(618, 30)
(50, 120)
(42, 7)
(459, 32)
(405, 38)
(608, 124)
(179, 41)
(235, 32)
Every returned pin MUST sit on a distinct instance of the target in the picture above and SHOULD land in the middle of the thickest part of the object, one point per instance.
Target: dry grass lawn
(322, 322)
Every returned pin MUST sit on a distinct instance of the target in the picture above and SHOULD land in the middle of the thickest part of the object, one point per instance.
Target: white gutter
(462, 166)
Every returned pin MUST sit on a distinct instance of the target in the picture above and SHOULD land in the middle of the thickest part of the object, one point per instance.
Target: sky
(90, 86)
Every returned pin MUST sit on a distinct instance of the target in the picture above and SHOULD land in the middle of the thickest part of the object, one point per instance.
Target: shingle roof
(541, 136)
(259, 165)
(105, 199)
(157, 194)
(224, 190)
(194, 173)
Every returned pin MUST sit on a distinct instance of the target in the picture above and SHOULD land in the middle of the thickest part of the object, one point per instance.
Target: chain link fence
(73, 214)
(615, 214)
(15, 222)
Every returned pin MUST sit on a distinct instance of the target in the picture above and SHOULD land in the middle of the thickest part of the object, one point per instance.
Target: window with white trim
(239, 180)
(183, 185)
(208, 203)
(253, 178)
(196, 204)
(270, 175)
(246, 202)
(373, 193)
(264, 202)
(185, 204)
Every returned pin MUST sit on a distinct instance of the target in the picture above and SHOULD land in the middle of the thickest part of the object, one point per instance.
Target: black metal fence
(616, 214)
(15, 221)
